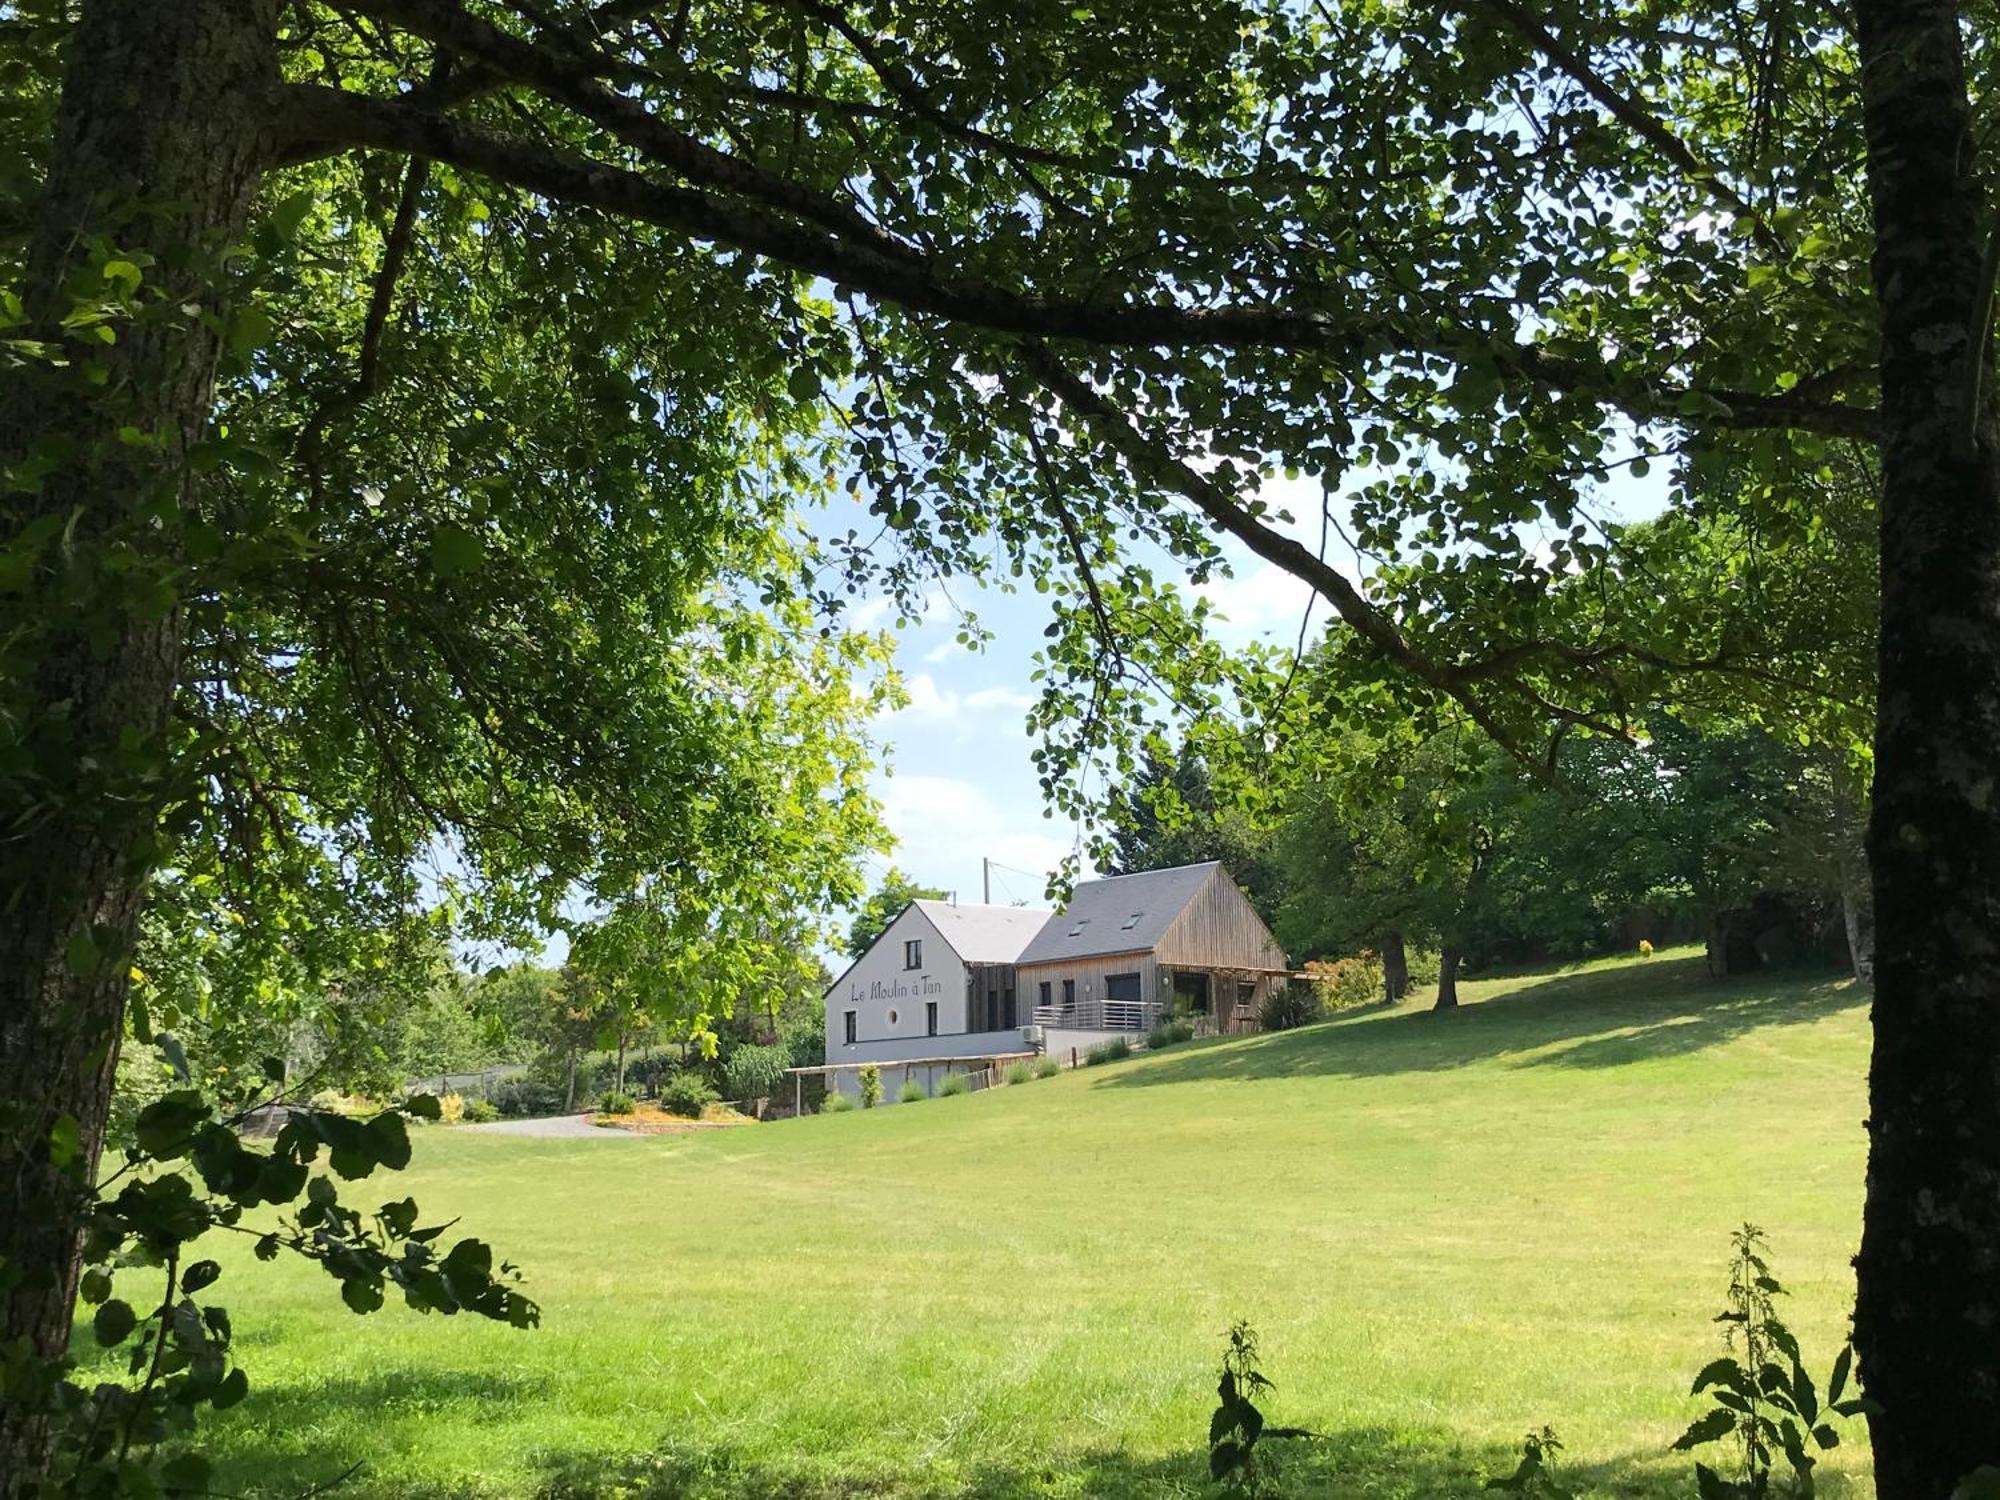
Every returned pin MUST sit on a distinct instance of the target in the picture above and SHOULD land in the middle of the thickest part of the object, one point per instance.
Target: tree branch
(1636, 119)
(894, 274)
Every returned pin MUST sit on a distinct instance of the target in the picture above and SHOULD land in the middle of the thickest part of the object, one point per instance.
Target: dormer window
(913, 953)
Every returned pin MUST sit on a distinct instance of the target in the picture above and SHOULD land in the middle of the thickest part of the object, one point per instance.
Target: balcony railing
(1099, 1015)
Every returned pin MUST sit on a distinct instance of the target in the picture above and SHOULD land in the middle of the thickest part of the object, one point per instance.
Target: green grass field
(1447, 1229)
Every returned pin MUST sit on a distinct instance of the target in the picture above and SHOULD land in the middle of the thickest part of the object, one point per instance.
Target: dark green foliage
(754, 1072)
(1019, 1072)
(1169, 1031)
(953, 1086)
(1285, 1006)
(1535, 1477)
(615, 1103)
(1764, 1401)
(527, 1096)
(1237, 1427)
(480, 1111)
(189, 1172)
(911, 1093)
(1115, 1050)
(687, 1093)
(837, 1103)
(1047, 1067)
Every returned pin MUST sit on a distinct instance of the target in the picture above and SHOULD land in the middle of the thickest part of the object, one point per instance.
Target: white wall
(888, 1000)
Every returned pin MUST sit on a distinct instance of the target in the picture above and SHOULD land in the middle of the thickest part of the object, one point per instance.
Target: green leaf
(234, 1387)
(1717, 1424)
(1836, 1382)
(81, 954)
(122, 273)
(95, 1285)
(1983, 1483)
(1724, 1371)
(390, 1138)
(65, 1142)
(454, 550)
(364, 1295)
(165, 1128)
(202, 1273)
(423, 1107)
(114, 1322)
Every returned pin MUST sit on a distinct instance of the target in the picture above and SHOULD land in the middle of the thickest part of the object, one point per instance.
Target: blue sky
(957, 782)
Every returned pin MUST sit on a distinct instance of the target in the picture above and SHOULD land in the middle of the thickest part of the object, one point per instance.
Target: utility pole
(986, 879)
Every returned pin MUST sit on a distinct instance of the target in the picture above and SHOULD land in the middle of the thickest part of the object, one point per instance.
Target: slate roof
(1118, 914)
(984, 934)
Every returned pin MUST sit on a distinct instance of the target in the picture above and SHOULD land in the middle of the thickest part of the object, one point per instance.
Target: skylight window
(1130, 922)
(1081, 923)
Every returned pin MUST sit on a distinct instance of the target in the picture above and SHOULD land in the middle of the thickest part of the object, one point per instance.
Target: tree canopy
(404, 395)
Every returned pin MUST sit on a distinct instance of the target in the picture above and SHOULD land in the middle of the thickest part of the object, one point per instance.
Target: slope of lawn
(1446, 1229)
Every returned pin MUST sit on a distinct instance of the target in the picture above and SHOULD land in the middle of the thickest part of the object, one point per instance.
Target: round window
(892, 1018)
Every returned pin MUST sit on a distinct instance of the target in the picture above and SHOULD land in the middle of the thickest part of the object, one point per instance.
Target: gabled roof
(984, 934)
(1118, 914)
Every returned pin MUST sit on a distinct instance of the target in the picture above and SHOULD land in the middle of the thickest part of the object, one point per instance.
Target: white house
(947, 981)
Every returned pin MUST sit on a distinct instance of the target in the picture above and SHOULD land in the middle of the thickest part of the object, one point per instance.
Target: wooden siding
(1090, 974)
(1219, 929)
(999, 978)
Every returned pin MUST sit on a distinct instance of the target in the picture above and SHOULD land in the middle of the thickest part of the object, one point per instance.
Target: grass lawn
(1447, 1229)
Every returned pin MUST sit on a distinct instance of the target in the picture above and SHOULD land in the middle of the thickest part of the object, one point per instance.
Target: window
(1121, 987)
(1045, 1002)
(1081, 923)
(992, 1010)
(1069, 994)
(930, 1018)
(892, 1018)
(850, 1028)
(1130, 922)
(913, 953)
(1008, 1018)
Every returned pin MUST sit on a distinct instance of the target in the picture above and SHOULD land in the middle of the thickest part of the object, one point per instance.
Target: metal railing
(1099, 1015)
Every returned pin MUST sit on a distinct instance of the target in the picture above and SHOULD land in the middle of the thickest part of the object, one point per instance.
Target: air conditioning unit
(1033, 1036)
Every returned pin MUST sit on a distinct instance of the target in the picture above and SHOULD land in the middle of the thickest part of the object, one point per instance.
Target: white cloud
(999, 697)
(943, 651)
(1262, 601)
(944, 825)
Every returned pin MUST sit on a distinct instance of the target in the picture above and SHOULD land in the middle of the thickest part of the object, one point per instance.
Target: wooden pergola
(989, 1062)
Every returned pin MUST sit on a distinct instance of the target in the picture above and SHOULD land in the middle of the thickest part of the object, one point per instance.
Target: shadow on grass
(1379, 1463)
(1600, 1018)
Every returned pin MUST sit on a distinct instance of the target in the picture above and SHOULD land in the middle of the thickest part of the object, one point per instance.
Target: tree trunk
(1929, 1267)
(1395, 967)
(620, 1086)
(1857, 912)
(1447, 996)
(569, 1091)
(160, 141)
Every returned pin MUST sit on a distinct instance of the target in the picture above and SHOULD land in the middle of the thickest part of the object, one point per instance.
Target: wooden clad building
(1131, 948)
(944, 983)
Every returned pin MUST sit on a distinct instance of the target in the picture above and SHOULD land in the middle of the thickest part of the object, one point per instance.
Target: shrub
(1048, 1067)
(451, 1108)
(871, 1085)
(1289, 1005)
(1115, 1050)
(1645, 947)
(755, 1072)
(836, 1103)
(615, 1103)
(911, 1093)
(1166, 1033)
(686, 1093)
(523, 1097)
(480, 1112)
(1343, 983)
(1425, 966)
(954, 1084)
(1019, 1072)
